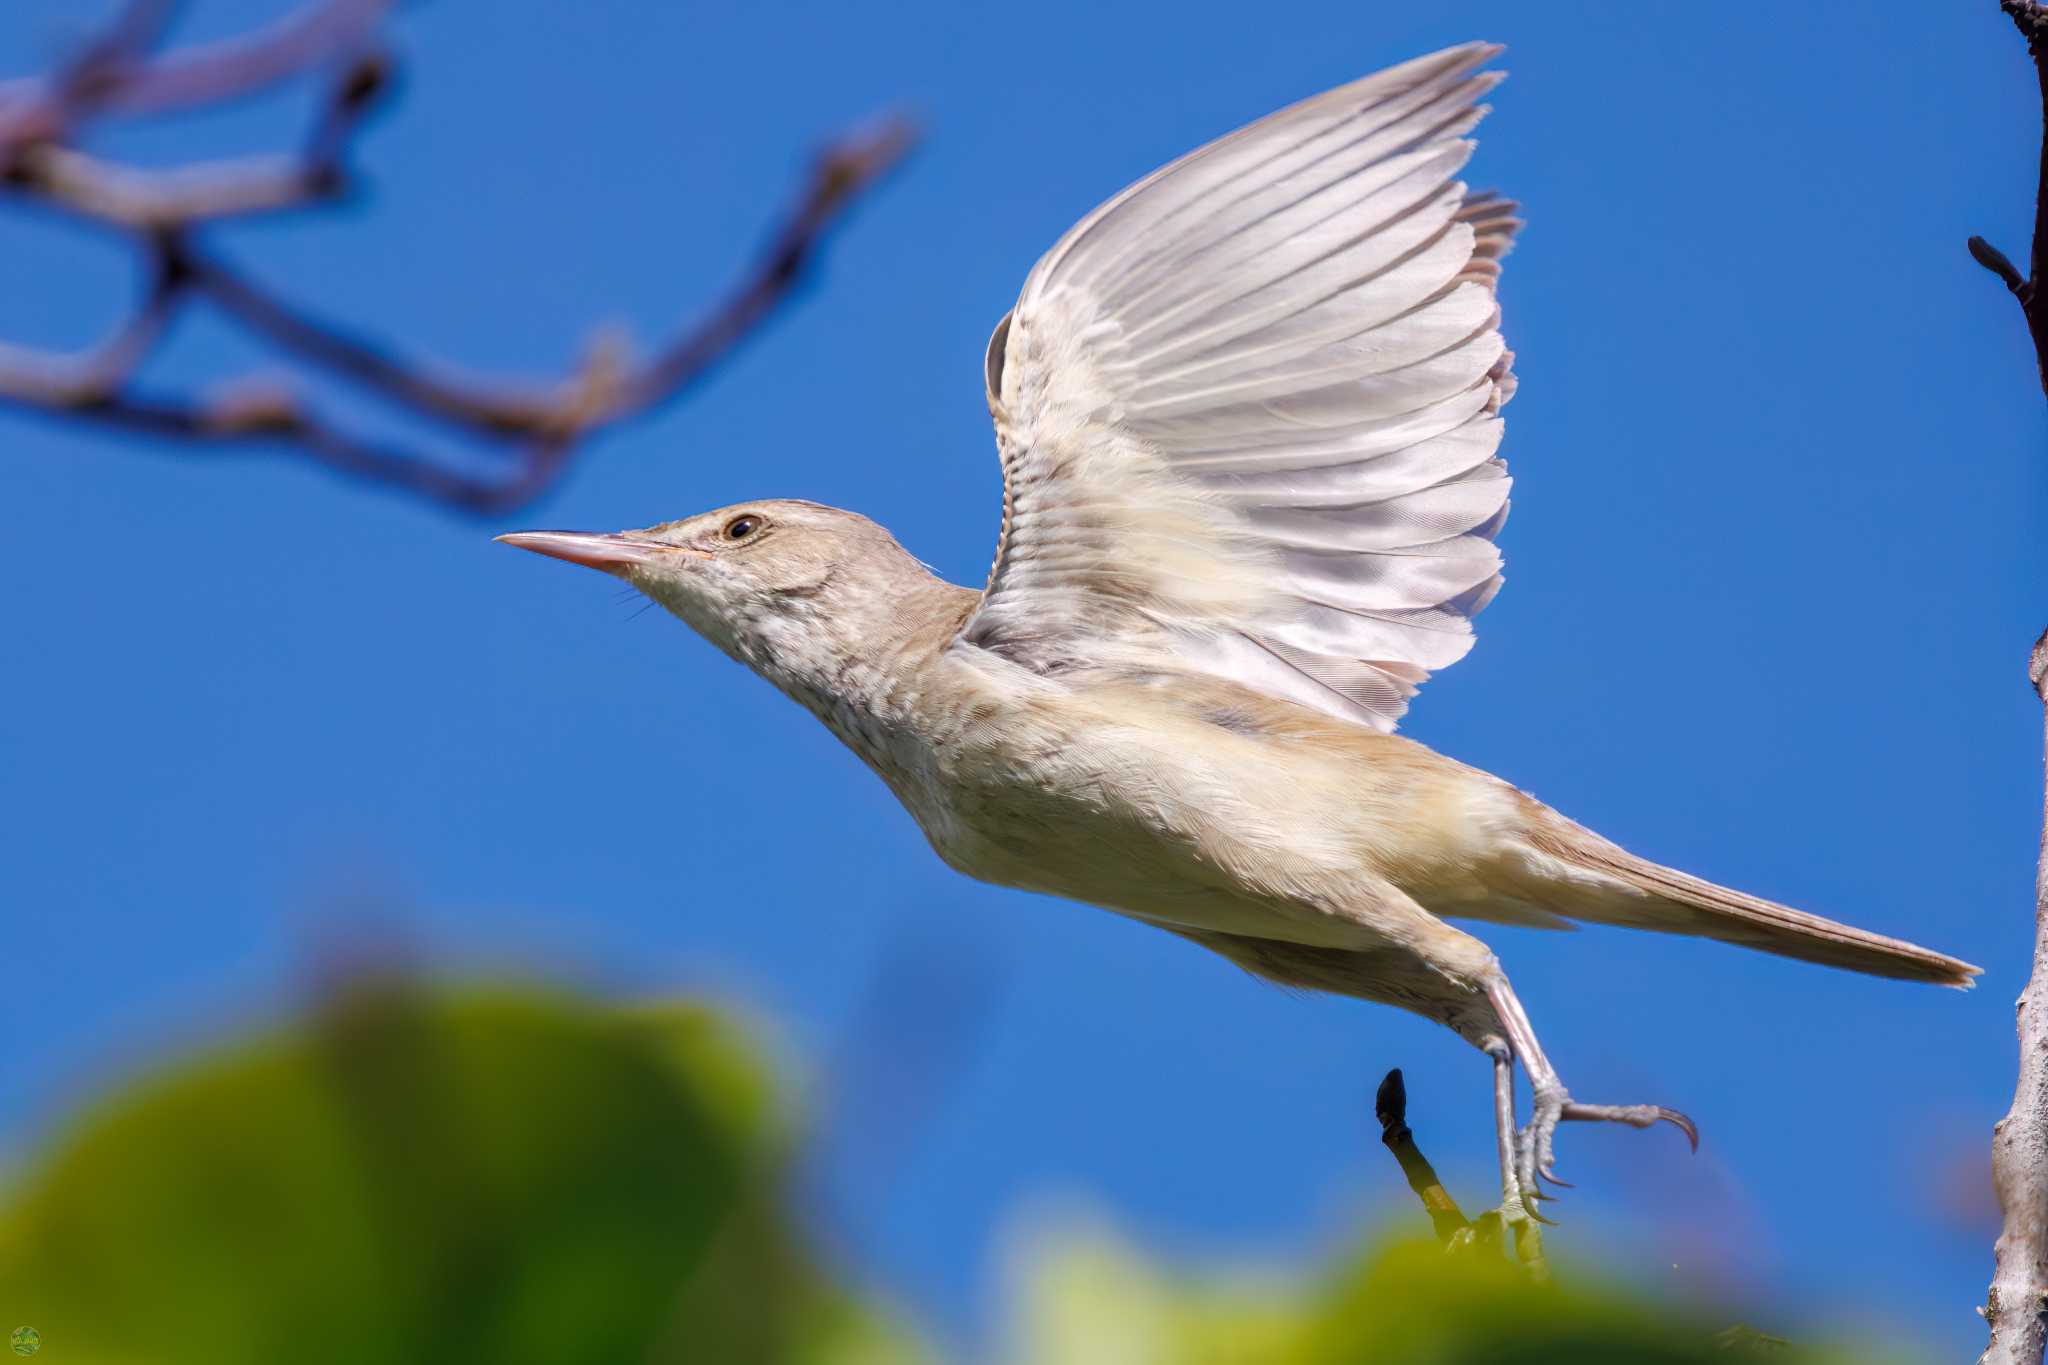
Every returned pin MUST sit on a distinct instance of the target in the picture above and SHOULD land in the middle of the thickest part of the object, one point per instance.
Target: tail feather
(1606, 884)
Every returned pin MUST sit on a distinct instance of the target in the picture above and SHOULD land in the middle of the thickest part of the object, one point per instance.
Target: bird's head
(789, 588)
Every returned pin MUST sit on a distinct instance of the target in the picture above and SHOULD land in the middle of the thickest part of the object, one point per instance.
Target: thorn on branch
(1999, 264)
(352, 100)
(367, 79)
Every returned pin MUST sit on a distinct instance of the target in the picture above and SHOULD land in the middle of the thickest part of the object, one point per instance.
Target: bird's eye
(739, 528)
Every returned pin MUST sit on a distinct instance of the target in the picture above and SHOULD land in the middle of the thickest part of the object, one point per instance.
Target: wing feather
(1247, 408)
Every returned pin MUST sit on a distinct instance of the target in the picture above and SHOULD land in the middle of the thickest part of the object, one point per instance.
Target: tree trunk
(2018, 1307)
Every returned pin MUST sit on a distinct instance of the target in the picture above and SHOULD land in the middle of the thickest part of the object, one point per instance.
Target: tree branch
(2016, 1309)
(114, 76)
(2032, 21)
(137, 200)
(73, 381)
(524, 431)
(1390, 1107)
(1453, 1229)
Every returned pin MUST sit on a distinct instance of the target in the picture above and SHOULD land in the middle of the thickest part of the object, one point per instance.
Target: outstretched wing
(1247, 409)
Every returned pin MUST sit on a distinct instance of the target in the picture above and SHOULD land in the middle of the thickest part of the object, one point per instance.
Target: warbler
(1249, 418)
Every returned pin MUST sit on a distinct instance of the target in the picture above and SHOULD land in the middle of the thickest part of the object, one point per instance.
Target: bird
(1249, 417)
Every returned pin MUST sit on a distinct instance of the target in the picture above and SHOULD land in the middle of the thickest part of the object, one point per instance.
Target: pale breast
(1134, 800)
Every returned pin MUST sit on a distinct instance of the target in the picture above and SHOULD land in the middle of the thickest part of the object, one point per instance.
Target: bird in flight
(1249, 418)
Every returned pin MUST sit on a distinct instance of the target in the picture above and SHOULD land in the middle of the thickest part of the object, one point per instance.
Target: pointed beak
(596, 551)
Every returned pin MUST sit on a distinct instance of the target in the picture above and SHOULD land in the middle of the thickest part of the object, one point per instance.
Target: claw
(1546, 1161)
(1634, 1115)
(1682, 1124)
(1525, 1160)
(1521, 1205)
(1525, 1153)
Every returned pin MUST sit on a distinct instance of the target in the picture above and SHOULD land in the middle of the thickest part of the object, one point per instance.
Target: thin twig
(1457, 1233)
(523, 432)
(509, 410)
(569, 408)
(1390, 1106)
(72, 382)
(136, 200)
(123, 82)
(843, 171)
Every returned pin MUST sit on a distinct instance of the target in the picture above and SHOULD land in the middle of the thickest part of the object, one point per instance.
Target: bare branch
(844, 170)
(2031, 19)
(1453, 1229)
(348, 103)
(115, 78)
(2016, 1309)
(1390, 1107)
(506, 411)
(568, 409)
(73, 382)
(526, 430)
(256, 415)
(138, 200)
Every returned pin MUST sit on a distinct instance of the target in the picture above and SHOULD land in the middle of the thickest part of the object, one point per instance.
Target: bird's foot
(1519, 1215)
(1534, 1152)
(1519, 1196)
(1517, 1223)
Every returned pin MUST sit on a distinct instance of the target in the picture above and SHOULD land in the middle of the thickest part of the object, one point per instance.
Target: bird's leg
(1552, 1103)
(1517, 1196)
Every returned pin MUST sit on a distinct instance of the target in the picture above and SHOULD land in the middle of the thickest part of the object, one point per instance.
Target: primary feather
(1247, 409)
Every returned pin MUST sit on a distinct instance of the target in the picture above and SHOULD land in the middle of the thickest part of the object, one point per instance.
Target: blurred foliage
(510, 1175)
(503, 1176)
(1089, 1300)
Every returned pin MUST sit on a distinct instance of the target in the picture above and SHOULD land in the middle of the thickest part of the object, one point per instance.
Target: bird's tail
(1606, 884)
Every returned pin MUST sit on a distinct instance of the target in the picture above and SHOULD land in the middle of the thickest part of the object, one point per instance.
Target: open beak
(583, 547)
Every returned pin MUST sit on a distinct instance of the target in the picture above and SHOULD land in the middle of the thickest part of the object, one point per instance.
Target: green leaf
(509, 1176)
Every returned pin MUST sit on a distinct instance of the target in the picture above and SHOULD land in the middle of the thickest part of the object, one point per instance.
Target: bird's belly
(1065, 843)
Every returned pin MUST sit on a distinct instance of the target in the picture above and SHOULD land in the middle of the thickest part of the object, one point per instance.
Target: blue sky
(1776, 558)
